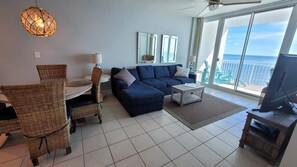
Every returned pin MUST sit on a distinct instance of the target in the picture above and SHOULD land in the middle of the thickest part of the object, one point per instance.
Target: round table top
(73, 87)
(104, 77)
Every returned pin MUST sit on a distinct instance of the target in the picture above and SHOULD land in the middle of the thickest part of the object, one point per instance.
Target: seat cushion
(81, 100)
(141, 94)
(185, 80)
(161, 72)
(170, 81)
(145, 72)
(7, 113)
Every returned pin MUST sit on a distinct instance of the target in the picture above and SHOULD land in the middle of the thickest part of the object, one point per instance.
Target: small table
(187, 93)
(73, 87)
(104, 78)
(268, 146)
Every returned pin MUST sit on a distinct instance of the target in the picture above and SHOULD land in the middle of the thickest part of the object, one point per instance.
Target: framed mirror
(168, 50)
(146, 48)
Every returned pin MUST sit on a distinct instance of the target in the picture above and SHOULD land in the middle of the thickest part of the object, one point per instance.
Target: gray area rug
(196, 115)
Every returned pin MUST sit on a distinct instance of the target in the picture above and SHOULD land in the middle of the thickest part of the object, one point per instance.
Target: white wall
(83, 28)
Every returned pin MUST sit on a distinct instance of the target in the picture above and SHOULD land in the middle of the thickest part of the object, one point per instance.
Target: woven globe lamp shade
(38, 21)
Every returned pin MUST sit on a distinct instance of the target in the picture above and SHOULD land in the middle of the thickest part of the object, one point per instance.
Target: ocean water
(256, 70)
(252, 58)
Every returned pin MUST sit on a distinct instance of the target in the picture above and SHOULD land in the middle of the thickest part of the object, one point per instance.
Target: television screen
(282, 89)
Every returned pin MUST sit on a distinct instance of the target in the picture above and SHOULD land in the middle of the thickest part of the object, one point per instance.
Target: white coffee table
(187, 93)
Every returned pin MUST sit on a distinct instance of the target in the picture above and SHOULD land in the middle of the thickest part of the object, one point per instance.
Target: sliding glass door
(231, 47)
(265, 39)
(248, 50)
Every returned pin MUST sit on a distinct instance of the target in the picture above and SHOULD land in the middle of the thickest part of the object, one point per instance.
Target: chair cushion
(125, 75)
(69, 111)
(81, 100)
(146, 72)
(7, 113)
(161, 72)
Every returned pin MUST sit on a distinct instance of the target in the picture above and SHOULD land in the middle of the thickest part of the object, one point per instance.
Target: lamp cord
(36, 3)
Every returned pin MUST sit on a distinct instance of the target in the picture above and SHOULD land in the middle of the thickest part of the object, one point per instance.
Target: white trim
(256, 9)
(290, 32)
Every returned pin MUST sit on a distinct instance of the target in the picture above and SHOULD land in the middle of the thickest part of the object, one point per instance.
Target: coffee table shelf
(182, 94)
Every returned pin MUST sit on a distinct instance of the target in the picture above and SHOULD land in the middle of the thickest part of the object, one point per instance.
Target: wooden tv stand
(264, 144)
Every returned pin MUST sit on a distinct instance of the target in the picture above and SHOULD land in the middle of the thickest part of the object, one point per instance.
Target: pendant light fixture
(38, 21)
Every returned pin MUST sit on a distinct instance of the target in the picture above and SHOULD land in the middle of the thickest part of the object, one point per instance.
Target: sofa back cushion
(161, 72)
(172, 69)
(134, 73)
(145, 72)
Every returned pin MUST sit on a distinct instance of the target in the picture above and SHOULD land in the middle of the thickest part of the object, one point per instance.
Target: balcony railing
(253, 73)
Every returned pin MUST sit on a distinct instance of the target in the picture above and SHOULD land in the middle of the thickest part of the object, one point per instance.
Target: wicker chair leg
(68, 150)
(100, 119)
(35, 161)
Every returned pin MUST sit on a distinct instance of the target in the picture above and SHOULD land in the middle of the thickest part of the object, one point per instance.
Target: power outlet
(37, 54)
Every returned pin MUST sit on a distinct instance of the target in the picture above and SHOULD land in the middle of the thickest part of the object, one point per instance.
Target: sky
(265, 39)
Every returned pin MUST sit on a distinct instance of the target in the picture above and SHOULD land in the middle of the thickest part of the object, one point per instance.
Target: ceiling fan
(214, 4)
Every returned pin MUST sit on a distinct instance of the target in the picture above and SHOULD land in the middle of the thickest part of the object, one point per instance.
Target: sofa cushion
(161, 72)
(172, 69)
(185, 80)
(170, 81)
(155, 83)
(141, 94)
(182, 72)
(134, 73)
(125, 75)
(145, 72)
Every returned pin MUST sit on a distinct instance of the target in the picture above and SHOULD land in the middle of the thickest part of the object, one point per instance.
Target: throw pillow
(182, 72)
(126, 76)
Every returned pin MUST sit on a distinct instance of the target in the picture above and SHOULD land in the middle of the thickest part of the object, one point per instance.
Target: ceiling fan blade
(234, 2)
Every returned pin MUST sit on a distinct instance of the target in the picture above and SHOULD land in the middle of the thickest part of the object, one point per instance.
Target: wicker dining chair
(88, 104)
(51, 71)
(41, 112)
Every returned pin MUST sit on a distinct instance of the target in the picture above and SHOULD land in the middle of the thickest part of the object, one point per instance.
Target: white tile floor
(150, 140)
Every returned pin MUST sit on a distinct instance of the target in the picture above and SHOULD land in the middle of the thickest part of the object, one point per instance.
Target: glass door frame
(285, 46)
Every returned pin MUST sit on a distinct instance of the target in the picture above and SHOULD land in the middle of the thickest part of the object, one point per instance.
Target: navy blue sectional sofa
(146, 93)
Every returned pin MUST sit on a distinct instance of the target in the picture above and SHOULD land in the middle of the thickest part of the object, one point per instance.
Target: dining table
(73, 87)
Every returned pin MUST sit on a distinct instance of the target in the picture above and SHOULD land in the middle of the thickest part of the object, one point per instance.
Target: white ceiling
(195, 8)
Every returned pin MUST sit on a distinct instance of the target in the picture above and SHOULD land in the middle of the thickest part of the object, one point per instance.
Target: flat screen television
(282, 88)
